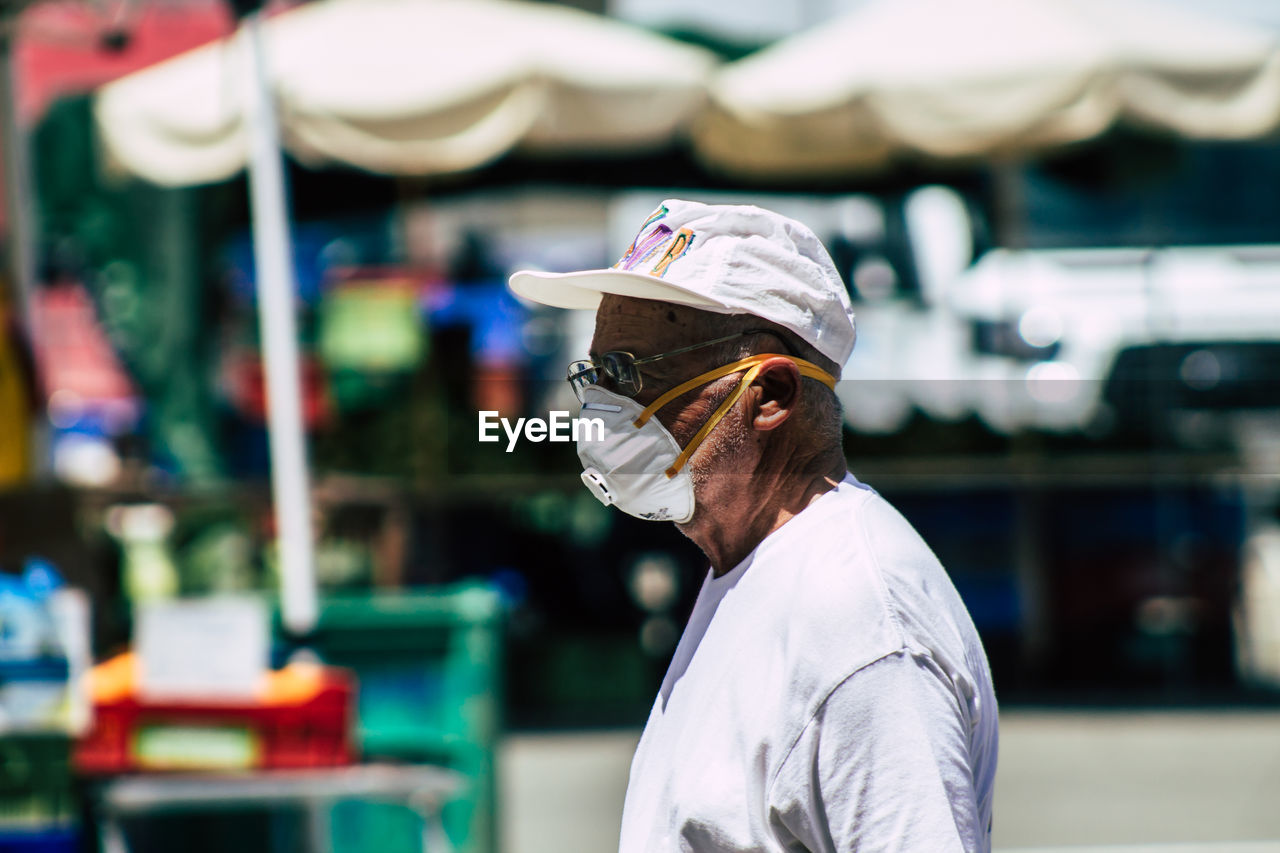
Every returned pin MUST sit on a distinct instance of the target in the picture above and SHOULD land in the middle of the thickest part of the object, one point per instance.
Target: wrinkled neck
(728, 526)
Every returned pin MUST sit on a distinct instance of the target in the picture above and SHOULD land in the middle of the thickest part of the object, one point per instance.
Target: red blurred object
(314, 732)
(72, 352)
(68, 47)
(245, 385)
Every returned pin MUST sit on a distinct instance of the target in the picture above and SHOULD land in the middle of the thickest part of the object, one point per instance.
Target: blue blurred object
(40, 577)
(45, 840)
(494, 316)
(24, 624)
(318, 247)
(994, 602)
(34, 670)
(971, 538)
(512, 587)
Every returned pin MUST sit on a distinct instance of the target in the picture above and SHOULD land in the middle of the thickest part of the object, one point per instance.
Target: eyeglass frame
(594, 363)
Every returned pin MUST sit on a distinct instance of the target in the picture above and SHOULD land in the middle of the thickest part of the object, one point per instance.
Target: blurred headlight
(1002, 337)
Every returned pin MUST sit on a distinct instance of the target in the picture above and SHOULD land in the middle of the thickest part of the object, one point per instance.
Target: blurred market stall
(341, 81)
(909, 79)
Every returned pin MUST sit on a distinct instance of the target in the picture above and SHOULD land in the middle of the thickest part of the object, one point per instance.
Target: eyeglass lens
(619, 367)
(582, 374)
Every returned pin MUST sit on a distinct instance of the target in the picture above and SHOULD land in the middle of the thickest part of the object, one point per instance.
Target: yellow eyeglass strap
(807, 368)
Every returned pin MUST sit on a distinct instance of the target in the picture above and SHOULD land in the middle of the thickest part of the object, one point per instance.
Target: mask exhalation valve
(596, 483)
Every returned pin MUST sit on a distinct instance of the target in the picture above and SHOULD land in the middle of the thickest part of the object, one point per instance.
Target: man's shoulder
(861, 539)
(855, 541)
(856, 582)
(859, 515)
(826, 590)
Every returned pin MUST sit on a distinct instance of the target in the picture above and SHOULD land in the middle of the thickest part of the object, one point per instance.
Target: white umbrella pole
(273, 257)
(19, 207)
(17, 175)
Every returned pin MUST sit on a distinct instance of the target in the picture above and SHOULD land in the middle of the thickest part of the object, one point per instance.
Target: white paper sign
(210, 649)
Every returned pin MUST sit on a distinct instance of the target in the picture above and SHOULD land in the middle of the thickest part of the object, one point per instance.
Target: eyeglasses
(620, 367)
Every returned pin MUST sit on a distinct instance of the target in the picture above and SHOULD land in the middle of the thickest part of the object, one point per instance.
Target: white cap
(723, 258)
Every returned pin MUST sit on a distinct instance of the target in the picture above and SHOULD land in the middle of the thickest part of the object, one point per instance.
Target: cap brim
(584, 289)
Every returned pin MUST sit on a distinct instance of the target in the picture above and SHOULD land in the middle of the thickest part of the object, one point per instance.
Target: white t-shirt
(829, 693)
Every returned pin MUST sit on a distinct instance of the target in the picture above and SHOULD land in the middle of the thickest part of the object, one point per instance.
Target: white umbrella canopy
(961, 79)
(415, 87)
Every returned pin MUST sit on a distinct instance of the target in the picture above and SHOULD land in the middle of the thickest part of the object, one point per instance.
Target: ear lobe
(775, 392)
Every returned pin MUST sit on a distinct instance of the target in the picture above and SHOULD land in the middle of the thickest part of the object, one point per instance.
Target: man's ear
(775, 392)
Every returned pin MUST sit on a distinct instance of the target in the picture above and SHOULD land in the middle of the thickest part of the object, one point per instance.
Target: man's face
(645, 327)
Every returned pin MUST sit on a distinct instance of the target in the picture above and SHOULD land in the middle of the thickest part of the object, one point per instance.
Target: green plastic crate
(428, 667)
(358, 826)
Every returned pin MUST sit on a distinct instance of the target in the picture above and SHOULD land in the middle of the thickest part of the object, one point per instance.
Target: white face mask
(628, 468)
(639, 466)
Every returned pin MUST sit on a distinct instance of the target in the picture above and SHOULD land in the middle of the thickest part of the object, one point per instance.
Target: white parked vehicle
(1061, 339)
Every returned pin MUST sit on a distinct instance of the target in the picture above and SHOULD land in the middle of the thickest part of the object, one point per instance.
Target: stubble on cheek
(721, 461)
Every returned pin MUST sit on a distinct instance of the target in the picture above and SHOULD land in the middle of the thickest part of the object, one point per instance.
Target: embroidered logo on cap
(661, 242)
(675, 250)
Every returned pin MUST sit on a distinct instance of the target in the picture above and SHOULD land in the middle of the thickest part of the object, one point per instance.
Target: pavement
(1068, 782)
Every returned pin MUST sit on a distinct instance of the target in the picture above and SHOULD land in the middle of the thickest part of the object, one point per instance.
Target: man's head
(701, 288)
(722, 259)
(783, 419)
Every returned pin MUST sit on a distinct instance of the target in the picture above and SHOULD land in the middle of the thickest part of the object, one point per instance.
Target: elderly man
(829, 691)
